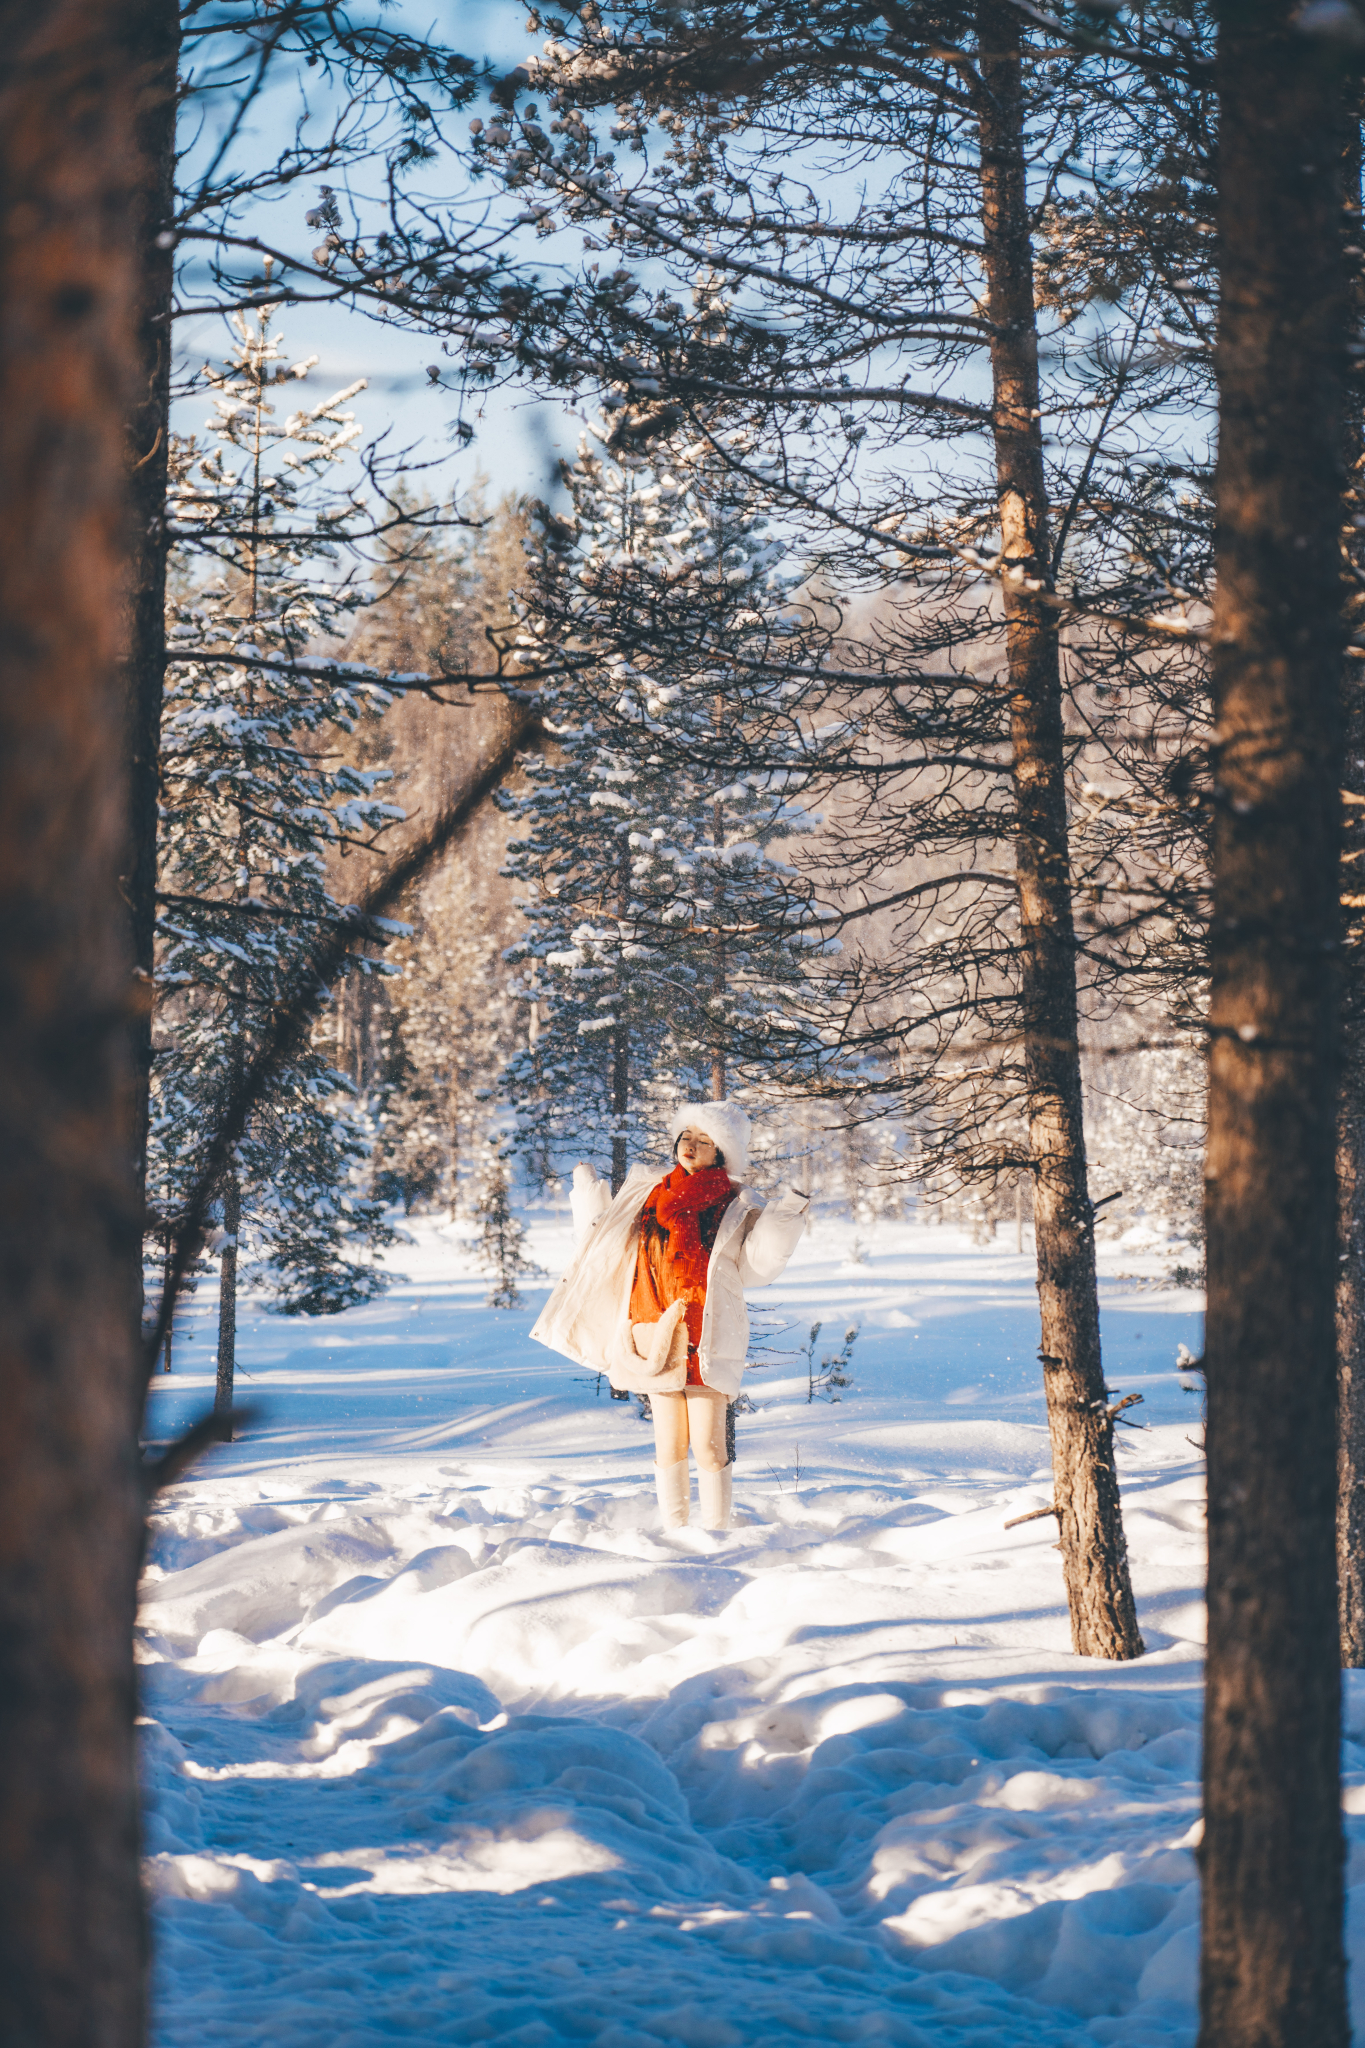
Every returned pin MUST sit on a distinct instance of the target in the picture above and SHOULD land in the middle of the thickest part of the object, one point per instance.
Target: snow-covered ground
(447, 1743)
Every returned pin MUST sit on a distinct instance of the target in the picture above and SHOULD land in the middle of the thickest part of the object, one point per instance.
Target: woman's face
(695, 1150)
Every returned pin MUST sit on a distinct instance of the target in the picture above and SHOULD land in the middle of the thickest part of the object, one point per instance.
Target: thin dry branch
(1035, 1515)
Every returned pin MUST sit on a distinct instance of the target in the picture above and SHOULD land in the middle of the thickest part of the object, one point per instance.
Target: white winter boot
(674, 1487)
(715, 1493)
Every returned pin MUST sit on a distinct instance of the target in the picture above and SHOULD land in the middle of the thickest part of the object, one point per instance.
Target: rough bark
(1350, 1304)
(227, 1304)
(1350, 1320)
(620, 1103)
(157, 52)
(719, 965)
(71, 1379)
(620, 1046)
(1094, 1554)
(1272, 1970)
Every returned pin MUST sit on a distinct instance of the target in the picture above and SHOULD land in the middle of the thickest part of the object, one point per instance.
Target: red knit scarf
(678, 1226)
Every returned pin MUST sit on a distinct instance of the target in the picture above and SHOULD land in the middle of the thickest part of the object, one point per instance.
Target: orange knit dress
(678, 1226)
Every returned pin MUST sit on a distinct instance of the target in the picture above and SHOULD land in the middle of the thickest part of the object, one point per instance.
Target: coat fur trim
(724, 1123)
(663, 1345)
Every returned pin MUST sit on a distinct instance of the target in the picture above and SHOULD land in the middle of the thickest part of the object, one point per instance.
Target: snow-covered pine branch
(673, 946)
(253, 806)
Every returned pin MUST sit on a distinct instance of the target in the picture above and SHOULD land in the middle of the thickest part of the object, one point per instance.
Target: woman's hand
(589, 1199)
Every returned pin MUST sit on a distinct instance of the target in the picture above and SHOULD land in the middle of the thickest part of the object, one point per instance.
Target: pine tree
(1023, 546)
(1145, 1136)
(445, 1028)
(427, 1044)
(670, 942)
(1272, 1967)
(369, 92)
(578, 1085)
(501, 1243)
(251, 810)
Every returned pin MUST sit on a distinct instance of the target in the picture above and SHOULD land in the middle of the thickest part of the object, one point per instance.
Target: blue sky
(518, 438)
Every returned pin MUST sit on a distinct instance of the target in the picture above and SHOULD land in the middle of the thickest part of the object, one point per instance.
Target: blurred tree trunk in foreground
(1351, 1103)
(1350, 1304)
(157, 28)
(71, 1932)
(1272, 1963)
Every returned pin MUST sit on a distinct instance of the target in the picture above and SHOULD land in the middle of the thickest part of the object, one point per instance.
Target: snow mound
(446, 1742)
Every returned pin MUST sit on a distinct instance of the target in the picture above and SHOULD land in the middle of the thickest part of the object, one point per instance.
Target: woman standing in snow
(654, 1294)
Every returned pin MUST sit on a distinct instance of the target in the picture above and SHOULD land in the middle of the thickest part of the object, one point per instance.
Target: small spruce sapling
(834, 1371)
(808, 1353)
(501, 1242)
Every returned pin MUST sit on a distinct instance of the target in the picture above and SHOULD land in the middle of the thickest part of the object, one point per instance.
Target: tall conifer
(252, 807)
(671, 940)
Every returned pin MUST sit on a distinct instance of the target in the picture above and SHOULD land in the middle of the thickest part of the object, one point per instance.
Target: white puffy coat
(587, 1317)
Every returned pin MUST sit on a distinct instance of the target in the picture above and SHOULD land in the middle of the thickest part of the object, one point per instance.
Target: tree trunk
(1094, 1554)
(168, 1254)
(718, 971)
(1350, 1322)
(1350, 1303)
(227, 1303)
(620, 1043)
(620, 1102)
(1272, 1967)
(158, 52)
(72, 1945)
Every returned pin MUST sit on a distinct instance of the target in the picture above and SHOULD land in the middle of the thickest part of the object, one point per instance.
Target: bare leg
(706, 1425)
(706, 1428)
(670, 1428)
(672, 1482)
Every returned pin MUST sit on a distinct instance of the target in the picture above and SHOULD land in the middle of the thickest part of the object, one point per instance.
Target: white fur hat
(724, 1123)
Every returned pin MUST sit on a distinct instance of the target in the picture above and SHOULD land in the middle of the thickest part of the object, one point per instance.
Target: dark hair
(720, 1156)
